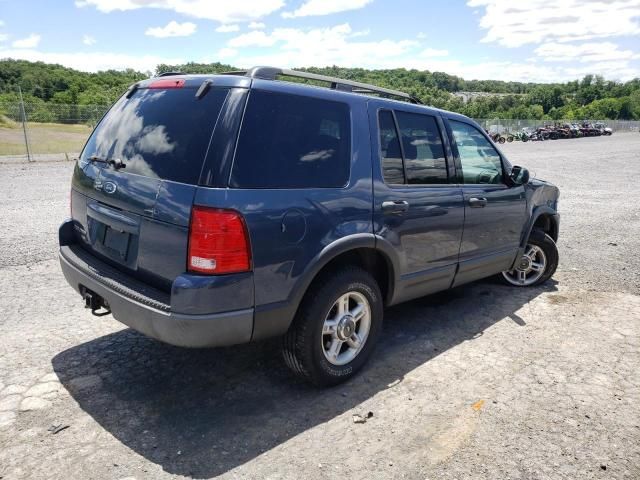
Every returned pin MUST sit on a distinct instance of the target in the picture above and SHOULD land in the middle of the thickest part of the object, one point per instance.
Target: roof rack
(271, 73)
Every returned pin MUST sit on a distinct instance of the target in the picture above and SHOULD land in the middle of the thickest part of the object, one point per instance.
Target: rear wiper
(116, 163)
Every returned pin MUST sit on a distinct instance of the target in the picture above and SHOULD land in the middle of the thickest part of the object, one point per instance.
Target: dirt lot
(484, 381)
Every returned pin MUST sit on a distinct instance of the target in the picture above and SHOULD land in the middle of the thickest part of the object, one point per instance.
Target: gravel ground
(484, 381)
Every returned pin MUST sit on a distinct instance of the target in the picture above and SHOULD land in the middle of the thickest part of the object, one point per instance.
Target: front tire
(336, 327)
(537, 265)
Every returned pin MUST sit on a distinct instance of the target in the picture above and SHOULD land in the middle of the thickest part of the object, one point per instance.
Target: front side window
(290, 141)
(481, 162)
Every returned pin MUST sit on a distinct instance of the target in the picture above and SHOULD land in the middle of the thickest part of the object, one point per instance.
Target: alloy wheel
(529, 268)
(346, 328)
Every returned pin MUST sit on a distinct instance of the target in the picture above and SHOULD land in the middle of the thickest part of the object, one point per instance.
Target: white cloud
(3, 37)
(361, 33)
(256, 25)
(325, 7)
(620, 70)
(319, 46)
(256, 38)
(172, 29)
(88, 40)
(94, 61)
(432, 52)
(221, 11)
(395, 56)
(587, 52)
(31, 41)
(227, 52)
(288, 47)
(524, 72)
(514, 24)
(228, 28)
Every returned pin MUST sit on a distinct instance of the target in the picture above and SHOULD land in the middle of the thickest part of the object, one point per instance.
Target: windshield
(158, 133)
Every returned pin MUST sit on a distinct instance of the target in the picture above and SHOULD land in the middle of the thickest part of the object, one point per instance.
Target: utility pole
(23, 114)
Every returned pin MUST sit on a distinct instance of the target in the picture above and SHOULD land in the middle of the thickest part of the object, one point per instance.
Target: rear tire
(336, 327)
(537, 265)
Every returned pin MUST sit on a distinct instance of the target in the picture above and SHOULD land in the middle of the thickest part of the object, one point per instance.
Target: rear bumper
(153, 317)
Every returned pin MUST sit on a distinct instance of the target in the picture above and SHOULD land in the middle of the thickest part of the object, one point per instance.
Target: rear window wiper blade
(115, 162)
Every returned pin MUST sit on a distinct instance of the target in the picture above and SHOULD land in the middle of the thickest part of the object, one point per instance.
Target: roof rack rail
(271, 73)
(233, 72)
(168, 74)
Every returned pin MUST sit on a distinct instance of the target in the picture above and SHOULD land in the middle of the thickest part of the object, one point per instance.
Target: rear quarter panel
(292, 230)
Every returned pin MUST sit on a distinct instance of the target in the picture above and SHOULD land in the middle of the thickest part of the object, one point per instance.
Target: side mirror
(519, 175)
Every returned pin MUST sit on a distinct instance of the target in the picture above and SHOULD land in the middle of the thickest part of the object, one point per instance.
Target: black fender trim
(537, 213)
(393, 264)
(529, 231)
(275, 318)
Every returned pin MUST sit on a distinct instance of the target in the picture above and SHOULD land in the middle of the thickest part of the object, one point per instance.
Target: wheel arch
(358, 249)
(544, 219)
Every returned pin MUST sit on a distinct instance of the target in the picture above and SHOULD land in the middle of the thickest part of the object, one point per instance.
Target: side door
(417, 212)
(495, 210)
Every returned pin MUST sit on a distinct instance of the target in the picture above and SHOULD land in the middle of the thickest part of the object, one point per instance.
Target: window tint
(480, 161)
(290, 141)
(158, 133)
(424, 159)
(391, 155)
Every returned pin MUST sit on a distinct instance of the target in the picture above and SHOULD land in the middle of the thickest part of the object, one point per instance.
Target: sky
(533, 40)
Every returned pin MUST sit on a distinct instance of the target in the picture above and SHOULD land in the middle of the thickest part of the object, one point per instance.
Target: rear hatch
(134, 184)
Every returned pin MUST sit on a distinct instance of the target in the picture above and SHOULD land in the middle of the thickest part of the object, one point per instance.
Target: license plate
(117, 242)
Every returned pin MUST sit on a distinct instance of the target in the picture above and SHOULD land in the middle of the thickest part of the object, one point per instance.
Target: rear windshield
(158, 133)
(290, 141)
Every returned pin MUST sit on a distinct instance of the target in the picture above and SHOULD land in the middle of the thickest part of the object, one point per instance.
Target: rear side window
(424, 160)
(158, 133)
(391, 154)
(290, 141)
(411, 150)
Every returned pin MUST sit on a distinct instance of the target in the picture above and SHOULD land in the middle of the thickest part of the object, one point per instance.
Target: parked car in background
(604, 129)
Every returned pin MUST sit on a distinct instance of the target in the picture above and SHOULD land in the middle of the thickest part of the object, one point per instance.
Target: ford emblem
(109, 187)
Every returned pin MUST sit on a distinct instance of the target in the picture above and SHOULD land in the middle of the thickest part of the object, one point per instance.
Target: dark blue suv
(212, 210)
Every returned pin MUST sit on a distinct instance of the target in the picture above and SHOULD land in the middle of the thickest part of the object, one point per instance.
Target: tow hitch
(95, 302)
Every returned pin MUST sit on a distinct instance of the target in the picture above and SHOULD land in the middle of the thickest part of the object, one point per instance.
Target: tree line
(591, 97)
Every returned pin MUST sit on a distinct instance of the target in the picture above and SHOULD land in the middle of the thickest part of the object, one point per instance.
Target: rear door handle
(477, 202)
(395, 206)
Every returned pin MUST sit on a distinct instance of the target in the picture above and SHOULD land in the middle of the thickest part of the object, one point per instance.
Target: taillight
(218, 242)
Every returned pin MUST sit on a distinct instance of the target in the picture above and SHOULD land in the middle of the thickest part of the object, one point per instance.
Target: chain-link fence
(54, 113)
(47, 131)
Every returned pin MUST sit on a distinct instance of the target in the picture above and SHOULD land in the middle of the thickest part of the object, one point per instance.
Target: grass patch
(43, 137)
